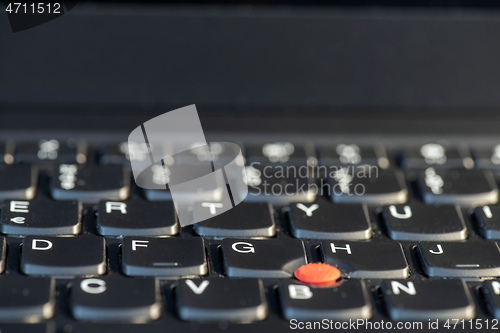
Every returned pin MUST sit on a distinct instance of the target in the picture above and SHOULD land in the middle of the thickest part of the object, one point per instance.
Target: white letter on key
(111, 205)
(298, 291)
(34, 245)
(137, 243)
(409, 289)
(306, 210)
(19, 206)
(197, 290)
(85, 285)
(347, 248)
(440, 250)
(246, 249)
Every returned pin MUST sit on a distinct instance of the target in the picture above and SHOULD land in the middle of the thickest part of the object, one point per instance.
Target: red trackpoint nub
(317, 273)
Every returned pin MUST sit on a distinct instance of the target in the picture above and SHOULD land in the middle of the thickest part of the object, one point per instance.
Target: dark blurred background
(116, 63)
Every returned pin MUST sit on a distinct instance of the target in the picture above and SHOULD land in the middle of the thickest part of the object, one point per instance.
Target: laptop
(369, 136)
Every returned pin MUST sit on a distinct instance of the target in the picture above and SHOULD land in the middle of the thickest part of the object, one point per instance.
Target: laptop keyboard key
(284, 153)
(26, 300)
(277, 258)
(423, 300)
(90, 184)
(348, 300)
(324, 220)
(238, 300)
(352, 154)
(244, 220)
(461, 187)
(119, 153)
(377, 260)
(41, 217)
(488, 158)
(216, 152)
(116, 299)
(163, 257)
(437, 156)
(488, 220)
(136, 218)
(424, 222)
(211, 191)
(63, 256)
(460, 259)
(368, 184)
(18, 182)
(3, 253)
(277, 185)
(52, 151)
(491, 292)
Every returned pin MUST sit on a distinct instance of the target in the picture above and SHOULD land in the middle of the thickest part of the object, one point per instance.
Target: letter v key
(198, 290)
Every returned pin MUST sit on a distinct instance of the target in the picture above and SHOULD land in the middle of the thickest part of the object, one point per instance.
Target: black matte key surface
(277, 153)
(116, 299)
(51, 151)
(343, 301)
(211, 190)
(28, 328)
(136, 218)
(427, 300)
(244, 220)
(417, 222)
(491, 292)
(18, 182)
(367, 184)
(488, 221)
(377, 260)
(277, 258)
(349, 154)
(163, 257)
(158, 195)
(324, 220)
(90, 184)
(63, 256)
(41, 217)
(238, 300)
(462, 187)
(279, 184)
(28, 300)
(460, 259)
(437, 156)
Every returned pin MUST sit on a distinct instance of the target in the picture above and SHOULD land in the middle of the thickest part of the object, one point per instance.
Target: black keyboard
(412, 228)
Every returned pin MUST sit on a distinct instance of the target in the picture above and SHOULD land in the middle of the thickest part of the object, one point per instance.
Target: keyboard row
(427, 155)
(319, 220)
(171, 258)
(468, 188)
(120, 300)
(437, 155)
